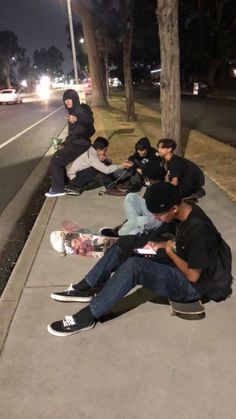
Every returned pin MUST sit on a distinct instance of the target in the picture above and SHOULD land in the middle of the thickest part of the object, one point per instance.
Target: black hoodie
(83, 128)
(139, 161)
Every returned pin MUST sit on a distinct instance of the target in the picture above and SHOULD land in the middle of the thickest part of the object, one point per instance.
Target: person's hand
(71, 118)
(127, 164)
(170, 246)
(139, 170)
(155, 246)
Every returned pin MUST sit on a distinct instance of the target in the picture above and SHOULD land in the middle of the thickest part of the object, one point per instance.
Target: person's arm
(191, 274)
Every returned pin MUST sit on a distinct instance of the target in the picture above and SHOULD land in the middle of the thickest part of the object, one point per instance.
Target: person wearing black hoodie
(144, 152)
(80, 129)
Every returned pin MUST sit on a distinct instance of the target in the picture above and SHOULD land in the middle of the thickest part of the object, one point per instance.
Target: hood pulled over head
(73, 95)
(143, 144)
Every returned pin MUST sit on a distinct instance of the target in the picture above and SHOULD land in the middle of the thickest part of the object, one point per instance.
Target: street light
(72, 41)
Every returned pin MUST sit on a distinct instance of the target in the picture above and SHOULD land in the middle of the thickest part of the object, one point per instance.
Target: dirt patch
(217, 160)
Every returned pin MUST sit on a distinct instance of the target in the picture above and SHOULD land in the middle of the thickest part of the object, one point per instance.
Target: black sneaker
(108, 232)
(71, 294)
(69, 325)
(74, 192)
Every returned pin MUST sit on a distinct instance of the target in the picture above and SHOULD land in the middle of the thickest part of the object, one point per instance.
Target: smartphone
(145, 251)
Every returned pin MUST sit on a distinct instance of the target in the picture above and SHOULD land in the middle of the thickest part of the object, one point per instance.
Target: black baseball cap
(161, 197)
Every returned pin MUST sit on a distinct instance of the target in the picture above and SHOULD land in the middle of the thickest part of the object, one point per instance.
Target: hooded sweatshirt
(83, 128)
(89, 159)
(141, 161)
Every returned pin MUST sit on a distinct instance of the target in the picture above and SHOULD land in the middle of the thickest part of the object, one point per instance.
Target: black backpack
(194, 174)
(222, 277)
(89, 111)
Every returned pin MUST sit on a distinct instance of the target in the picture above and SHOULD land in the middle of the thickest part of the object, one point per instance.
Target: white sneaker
(52, 194)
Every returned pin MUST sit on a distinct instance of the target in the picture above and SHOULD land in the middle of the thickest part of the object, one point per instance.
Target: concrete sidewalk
(142, 364)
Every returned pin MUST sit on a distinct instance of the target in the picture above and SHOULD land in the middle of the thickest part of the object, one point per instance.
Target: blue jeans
(165, 280)
(138, 216)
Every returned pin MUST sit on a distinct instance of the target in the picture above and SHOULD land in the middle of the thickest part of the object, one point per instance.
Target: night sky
(37, 24)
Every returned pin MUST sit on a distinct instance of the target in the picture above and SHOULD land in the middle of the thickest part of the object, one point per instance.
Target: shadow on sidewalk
(132, 301)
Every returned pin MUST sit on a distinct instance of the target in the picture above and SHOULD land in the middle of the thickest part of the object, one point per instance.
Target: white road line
(27, 129)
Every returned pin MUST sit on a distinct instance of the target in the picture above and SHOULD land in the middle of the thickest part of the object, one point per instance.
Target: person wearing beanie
(138, 217)
(188, 276)
(80, 129)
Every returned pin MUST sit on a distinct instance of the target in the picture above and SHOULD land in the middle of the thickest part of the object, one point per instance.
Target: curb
(13, 290)
(12, 293)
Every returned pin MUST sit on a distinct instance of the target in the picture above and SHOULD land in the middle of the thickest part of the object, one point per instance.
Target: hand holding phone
(145, 251)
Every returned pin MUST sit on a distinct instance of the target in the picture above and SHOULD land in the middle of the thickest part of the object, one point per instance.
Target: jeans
(138, 216)
(165, 280)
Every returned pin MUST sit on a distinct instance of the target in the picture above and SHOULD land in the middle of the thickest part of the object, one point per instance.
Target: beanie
(161, 197)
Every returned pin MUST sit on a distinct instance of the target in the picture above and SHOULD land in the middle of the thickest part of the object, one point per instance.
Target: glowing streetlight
(72, 41)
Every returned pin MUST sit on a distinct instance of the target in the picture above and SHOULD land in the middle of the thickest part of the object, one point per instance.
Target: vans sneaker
(70, 325)
(71, 294)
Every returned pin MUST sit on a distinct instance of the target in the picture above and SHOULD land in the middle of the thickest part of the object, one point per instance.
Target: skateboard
(191, 310)
(80, 243)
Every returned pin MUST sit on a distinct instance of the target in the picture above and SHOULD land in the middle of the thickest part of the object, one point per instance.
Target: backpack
(194, 174)
(222, 278)
(91, 129)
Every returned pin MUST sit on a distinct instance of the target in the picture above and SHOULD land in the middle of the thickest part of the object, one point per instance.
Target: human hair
(143, 144)
(153, 170)
(100, 143)
(167, 143)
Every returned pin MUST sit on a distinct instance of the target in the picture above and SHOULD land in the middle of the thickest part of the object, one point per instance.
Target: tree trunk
(167, 16)
(213, 67)
(126, 12)
(96, 69)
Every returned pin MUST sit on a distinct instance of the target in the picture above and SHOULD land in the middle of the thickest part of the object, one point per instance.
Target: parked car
(10, 96)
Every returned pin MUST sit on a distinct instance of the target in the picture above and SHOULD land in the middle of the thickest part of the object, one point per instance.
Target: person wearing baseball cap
(186, 277)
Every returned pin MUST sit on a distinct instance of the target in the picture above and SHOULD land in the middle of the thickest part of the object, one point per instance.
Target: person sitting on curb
(80, 129)
(144, 153)
(86, 167)
(189, 276)
(183, 173)
(138, 218)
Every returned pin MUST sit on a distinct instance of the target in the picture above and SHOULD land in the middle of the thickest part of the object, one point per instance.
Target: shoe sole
(55, 196)
(70, 298)
(55, 333)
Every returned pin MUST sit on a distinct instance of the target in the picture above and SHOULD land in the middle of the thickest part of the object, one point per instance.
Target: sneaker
(71, 294)
(68, 326)
(72, 192)
(52, 194)
(109, 232)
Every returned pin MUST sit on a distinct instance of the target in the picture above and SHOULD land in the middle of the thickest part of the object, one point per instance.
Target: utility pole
(72, 41)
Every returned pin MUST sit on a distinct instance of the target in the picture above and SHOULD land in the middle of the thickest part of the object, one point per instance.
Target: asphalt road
(26, 131)
(213, 117)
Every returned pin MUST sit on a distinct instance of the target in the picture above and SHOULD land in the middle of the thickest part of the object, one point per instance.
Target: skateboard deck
(78, 243)
(192, 309)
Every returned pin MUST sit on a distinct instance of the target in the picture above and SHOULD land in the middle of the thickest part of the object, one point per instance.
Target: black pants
(58, 163)
(89, 175)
